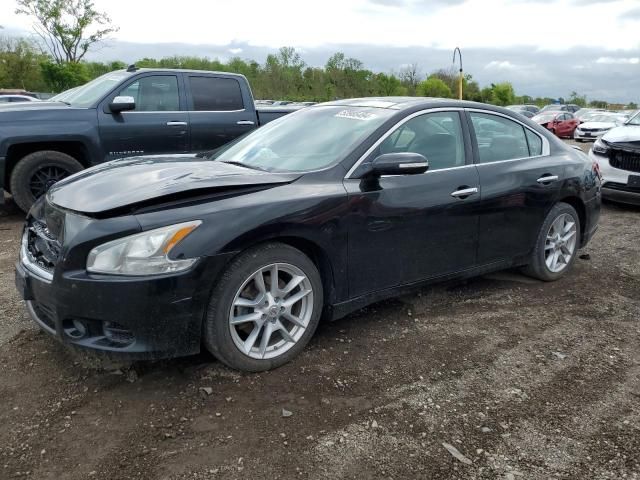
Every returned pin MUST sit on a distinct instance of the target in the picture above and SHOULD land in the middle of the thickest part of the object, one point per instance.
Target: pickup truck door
(220, 110)
(158, 124)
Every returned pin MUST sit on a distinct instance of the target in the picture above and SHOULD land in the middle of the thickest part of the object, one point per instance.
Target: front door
(520, 182)
(159, 124)
(407, 228)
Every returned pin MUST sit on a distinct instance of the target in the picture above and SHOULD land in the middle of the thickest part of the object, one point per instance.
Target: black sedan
(314, 215)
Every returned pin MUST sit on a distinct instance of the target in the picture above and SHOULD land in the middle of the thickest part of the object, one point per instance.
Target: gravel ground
(497, 377)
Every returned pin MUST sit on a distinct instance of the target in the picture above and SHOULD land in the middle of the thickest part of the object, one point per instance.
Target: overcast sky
(543, 47)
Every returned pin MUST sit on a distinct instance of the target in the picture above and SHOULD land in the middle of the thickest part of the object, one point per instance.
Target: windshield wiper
(240, 164)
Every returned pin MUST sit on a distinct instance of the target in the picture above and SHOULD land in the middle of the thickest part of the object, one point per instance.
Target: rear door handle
(245, 122)
(547, 179)
(176, 124)
(464, 192)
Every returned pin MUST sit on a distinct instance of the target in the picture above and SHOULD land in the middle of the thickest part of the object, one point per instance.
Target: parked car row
(585, 124)
(617, 154)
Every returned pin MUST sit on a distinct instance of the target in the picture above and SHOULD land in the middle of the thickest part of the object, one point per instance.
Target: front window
(90, 93)
(309, 139)
(155, 93)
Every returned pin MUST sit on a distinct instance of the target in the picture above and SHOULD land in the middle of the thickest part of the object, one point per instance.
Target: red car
(562, 124)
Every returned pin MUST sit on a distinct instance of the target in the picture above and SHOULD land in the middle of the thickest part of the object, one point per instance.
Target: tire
(546, 244)
(231, 343)
(28, 178)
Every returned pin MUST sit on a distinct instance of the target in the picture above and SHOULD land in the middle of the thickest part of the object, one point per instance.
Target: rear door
(519, 181)
(219, 110)
(406, 228)
(159, 124)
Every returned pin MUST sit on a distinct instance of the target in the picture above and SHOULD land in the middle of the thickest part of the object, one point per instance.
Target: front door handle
(464, 192)
(176, 124)
(245, 122)
(547, 179)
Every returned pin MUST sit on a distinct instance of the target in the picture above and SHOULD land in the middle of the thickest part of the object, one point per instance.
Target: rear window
(216, 94)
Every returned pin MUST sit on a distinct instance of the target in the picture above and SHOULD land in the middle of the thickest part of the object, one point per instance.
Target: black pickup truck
(121, 114)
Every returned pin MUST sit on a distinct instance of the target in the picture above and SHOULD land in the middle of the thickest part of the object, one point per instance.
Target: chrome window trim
(546, 148)
(393, 129)
(428, 171)
(31, 266)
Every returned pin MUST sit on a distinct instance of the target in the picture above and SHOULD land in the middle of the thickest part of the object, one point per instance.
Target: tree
(62, 76)
(68, 28)
(20, 65)
(410, 77)
(598, 104)
(433, 87)
(580, 100)
(502, 94)
(632, 106)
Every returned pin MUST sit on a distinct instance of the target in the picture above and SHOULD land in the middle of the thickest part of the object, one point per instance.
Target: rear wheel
(35, 173)
(557, 244)
(264, 309)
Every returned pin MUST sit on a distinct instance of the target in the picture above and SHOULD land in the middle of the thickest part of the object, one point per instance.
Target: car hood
(30, 106)
(141, 181)
(601, 125)
(624, 134)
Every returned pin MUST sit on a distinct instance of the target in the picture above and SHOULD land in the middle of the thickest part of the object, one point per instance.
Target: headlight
(600, 147)
(145, 253)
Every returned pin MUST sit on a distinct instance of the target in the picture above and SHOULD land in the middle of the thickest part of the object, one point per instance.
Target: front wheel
(557, 244)
(264, 309)
(37, 172)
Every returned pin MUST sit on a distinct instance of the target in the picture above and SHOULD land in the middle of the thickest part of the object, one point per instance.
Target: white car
(617, 154)
(598, 125)
(10, 98)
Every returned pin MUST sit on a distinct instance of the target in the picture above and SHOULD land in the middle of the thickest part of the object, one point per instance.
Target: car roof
(406, 103)
(183, 70)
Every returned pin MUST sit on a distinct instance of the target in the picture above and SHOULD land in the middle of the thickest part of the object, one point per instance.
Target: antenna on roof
(132, 68)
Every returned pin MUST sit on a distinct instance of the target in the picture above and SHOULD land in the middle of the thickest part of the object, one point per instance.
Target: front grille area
(42, 247)
(625, 160)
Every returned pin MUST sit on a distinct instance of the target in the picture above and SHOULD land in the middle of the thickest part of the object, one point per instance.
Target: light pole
(460, 78)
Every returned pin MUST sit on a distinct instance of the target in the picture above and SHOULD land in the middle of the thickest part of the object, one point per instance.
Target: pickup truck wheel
(557, 244)
(35, 173)
(264, 309)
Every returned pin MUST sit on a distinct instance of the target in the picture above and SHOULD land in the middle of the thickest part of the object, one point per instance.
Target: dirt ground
(525, 380)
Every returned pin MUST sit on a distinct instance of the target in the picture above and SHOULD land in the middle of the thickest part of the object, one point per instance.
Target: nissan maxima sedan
(312, 216)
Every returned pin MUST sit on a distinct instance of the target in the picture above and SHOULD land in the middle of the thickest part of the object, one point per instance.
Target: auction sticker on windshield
(356, 115)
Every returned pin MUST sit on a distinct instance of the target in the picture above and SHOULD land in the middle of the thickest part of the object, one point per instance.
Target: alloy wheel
(560, 245)
(271, 311)
(44, 178)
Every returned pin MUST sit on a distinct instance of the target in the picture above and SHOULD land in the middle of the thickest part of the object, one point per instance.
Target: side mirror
(403, 163)
(121, 104)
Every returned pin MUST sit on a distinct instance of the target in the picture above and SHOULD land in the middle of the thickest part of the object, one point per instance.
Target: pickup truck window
(215, 94)
(158, 93)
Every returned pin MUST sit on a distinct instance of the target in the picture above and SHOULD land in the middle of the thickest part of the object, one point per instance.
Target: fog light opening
(118, 334)
(75, 329)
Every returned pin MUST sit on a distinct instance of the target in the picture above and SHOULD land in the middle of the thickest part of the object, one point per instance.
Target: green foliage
(632, 106)
(434, 87)
(580, 100)
(20, 65)
(62, 76)
(502, 94)
(67, 28)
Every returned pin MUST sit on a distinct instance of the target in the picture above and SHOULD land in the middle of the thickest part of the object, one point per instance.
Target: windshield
(309, 139)
(553, 107)
(89, 93)
(546, 117)
(635, 120)
(606, 118)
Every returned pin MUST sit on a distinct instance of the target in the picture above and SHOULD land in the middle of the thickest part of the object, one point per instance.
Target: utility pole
(460, 78)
